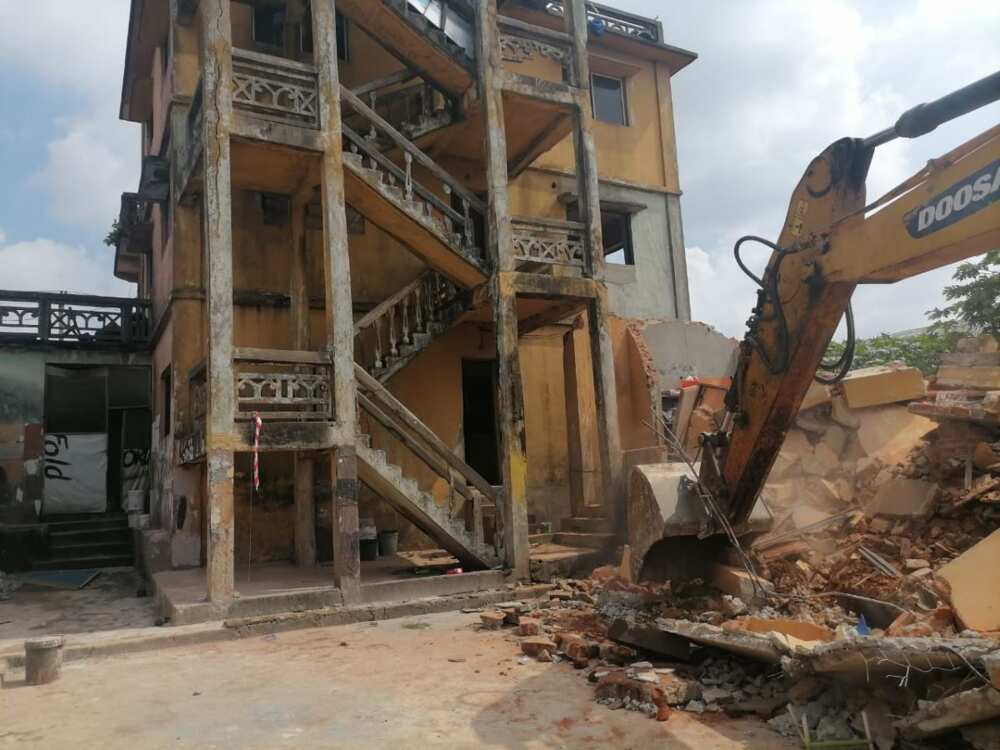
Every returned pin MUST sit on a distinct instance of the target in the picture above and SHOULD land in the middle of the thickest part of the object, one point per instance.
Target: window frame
(622, 83)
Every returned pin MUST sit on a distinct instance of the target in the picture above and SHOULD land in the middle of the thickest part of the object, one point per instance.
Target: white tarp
(76, 473)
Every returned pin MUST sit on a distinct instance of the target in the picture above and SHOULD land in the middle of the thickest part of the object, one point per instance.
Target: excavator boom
(833, 240)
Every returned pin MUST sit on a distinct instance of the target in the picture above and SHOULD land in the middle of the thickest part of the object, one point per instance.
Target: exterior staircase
(88, 541)
(467, 525)
(393, 333)
(432, 36)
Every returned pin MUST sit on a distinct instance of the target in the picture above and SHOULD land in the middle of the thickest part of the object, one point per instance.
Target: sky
(776, 81)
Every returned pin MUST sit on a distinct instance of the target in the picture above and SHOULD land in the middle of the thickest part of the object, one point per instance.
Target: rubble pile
(872, 609)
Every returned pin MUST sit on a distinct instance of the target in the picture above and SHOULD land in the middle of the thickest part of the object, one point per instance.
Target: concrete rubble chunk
(985, 378)
(841, 413)
(974, 578)
(817, 395)
(890, 433)
(963, 709)
(492, 620)
(651, 640)
(875, 386)
(536, 646)
(529, 626)
(903, 498)
(751, 645)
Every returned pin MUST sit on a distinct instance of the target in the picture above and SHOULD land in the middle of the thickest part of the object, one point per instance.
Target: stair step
(85, 549)
(88, 561)
(81, 536)
(586, 524)
(592, 540)
(96, 523)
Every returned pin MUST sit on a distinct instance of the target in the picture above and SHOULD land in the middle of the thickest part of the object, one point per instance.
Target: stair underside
(413, 40)
(378, 208)
(421, 509)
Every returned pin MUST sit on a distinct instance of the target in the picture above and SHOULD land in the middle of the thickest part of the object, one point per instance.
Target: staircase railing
(457, 225)
(471, 493)
(407, 102)
(394, 322)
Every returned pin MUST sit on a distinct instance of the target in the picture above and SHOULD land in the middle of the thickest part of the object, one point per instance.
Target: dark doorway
(479, 418)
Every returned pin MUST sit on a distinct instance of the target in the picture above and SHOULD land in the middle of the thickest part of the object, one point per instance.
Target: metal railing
(46, 317)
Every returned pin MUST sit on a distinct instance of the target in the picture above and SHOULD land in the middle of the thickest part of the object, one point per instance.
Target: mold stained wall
(22, 413)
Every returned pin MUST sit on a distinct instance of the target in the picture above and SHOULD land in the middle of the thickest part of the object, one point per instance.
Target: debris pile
(8, 585)
(873, 606)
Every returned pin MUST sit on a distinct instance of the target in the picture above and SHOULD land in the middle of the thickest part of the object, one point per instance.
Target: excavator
(832, 240)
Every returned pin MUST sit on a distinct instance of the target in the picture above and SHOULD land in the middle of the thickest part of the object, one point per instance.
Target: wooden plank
(985, 378)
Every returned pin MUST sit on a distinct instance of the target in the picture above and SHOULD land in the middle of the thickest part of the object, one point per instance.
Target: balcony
(282, 385)
(275, 88)
(541, 243)
(74, 319)
(602, 19)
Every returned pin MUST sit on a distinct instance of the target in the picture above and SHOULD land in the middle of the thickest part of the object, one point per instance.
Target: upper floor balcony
(33, 318)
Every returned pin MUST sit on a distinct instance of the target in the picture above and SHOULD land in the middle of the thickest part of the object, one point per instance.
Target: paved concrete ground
(107, 603)
(432, 681)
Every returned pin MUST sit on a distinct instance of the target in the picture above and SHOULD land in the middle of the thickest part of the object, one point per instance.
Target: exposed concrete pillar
(339, 305)
(584, 476)
(602, 353)
(346, 544)
(305, 464)
(510, 399)
(305, 510)
(217, 72)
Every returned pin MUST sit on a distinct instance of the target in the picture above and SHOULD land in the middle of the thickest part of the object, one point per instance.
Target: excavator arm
(832, 240)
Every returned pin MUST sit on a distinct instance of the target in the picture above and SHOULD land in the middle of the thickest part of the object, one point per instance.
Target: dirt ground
(107, 603)
(431, 681)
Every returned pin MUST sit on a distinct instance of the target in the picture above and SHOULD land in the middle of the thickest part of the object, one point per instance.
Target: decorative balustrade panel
(610, 20)
(275, 88)
(416, 309)
(518, 49)
(452, 217)
(67, 318)
(538, 241)
(279, 390)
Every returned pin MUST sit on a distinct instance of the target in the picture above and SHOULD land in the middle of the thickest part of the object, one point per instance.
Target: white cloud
(77, 49)
(87, 169)
(43, 265)
(775, 83)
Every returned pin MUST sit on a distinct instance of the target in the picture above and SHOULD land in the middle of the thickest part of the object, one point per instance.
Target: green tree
(921, 350)
(975, 297)
(113, 235)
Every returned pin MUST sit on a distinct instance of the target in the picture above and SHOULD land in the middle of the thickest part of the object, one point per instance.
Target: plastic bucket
(369, 549)
(388, 542)
(136, 501)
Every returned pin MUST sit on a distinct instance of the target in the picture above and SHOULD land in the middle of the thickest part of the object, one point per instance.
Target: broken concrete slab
(738, 582)
(974, 579)
(652, 640)
(890, 433)
(801, 631)
(751, 645)
(876, 386)
(963, 709)
(903, 498)
(982, 378)
(841, 413)
(817, 395)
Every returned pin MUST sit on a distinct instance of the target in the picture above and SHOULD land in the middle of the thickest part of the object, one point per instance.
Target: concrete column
(346, 545)
(510, 398)
(602, 353)
(339, 305)
(305, 465)
(584, 476)
(305, 511)
(217, 74)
